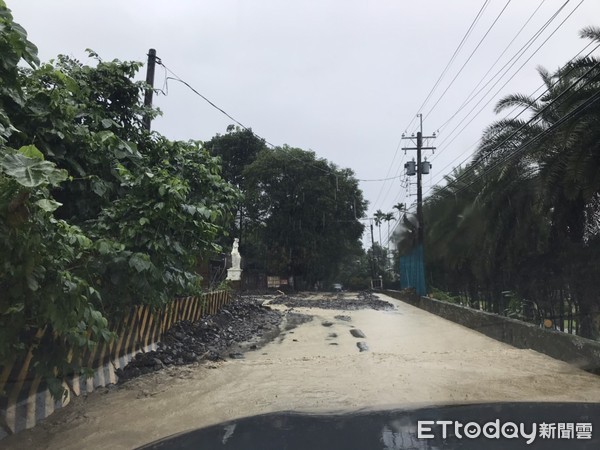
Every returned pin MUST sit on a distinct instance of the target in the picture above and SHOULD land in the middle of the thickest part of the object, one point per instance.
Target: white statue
(235, 255)
(235, 273)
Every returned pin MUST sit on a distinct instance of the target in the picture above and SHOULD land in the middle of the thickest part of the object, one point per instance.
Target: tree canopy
(300, 213)
(305, 211)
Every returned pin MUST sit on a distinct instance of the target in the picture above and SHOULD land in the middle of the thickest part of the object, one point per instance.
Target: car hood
(501, 426)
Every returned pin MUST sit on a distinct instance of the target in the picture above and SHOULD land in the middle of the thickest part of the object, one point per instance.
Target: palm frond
(591, 32)
(516, 100)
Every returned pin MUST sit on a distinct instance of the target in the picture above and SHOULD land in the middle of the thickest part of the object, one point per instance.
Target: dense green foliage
(96, 213)
(299, 216)
(517, 231)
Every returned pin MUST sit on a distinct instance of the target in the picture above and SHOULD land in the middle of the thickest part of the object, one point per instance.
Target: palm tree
(524, 215)
(379, 218)
(566, 153)
(407, 234)
(400, 207)
(388, 217)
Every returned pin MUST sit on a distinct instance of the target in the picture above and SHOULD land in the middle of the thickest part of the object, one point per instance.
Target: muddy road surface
(342, 359)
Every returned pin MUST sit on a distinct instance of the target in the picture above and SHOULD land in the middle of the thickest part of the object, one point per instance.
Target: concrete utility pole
(419, 168)
(372, 253)
(150, 80)
(422, 167)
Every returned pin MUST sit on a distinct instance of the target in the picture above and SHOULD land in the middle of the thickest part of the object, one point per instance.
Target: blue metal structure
(412, 271)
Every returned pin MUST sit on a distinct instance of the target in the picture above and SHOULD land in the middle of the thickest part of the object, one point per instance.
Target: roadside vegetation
(98, 214)
(517, 230)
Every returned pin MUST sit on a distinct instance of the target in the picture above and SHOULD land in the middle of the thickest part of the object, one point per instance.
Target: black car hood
(501, 426)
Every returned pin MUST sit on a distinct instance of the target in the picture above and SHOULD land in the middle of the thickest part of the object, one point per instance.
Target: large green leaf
(140, 262)
(48, 205)
(30, 172)
(31, 151)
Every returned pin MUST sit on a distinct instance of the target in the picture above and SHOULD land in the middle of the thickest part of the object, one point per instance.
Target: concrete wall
(581, 352)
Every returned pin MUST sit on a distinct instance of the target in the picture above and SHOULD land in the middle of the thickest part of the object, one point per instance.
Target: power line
(390, 166)
(536, 117)
(469, 96)
(517, 107)
(397, 222)
(432, 90)
(460, 45)
(389, 171)
(400, 167)
(237, 122)
(522, 147)
(469, 58)
(491, 98)
(391, 185)
(176, 77)
(382, 179)
(517, 56)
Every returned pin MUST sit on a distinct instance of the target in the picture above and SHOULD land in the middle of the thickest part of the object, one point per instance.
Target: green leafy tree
(151, 206)
(96, 213)
(304, 212)
(237, 149)
(38, 286)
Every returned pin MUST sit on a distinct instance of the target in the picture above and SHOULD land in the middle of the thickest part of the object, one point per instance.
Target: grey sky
(341, 77)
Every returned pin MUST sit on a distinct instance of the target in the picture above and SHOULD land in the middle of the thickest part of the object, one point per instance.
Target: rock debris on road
(335, 301)
(208, 339)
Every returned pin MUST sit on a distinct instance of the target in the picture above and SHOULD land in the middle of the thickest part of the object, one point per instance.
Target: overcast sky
(341, 77)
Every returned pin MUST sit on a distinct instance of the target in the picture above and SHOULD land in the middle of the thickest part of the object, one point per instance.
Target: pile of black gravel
(208, 339)
(365, 300)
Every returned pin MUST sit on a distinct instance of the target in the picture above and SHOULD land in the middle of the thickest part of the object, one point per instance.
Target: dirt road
(413, 359)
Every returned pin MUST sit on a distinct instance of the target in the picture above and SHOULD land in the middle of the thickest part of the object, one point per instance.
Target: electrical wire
(460, 45)
(452, 59)
(383, 179)
(537, 118)
(176, 77)
(389, 171)
(553, 127)
(470, 96)
(517, 107)
(469, 58)
(432, 90)
(545, 92)
(474, 116)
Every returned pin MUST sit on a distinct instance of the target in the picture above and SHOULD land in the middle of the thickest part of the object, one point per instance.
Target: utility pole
(150, 81)
(372, 254)
(420, 233)
(420, 168)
